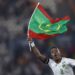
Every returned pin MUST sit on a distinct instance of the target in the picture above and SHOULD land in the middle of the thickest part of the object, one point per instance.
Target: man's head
(55, 53)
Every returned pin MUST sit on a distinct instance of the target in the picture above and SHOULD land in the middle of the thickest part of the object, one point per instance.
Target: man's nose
(55, 54)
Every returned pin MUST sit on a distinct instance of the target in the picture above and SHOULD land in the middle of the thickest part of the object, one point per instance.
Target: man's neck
(58, 61)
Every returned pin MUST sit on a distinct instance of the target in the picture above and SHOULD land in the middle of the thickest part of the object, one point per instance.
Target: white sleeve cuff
(32, 44)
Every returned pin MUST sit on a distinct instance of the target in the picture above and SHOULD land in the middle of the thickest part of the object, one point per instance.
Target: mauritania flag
(42, 26)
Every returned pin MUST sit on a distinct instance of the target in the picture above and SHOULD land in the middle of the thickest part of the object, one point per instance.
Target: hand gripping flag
(42, 26)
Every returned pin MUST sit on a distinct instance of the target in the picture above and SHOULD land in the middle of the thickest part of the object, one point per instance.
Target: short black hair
(51, 47)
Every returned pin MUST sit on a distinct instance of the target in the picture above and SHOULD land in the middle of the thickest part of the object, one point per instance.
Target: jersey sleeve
(46, 61)
(70, 61)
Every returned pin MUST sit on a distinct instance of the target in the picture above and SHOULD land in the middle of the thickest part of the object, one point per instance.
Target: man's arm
(37, 53)
(70, 61)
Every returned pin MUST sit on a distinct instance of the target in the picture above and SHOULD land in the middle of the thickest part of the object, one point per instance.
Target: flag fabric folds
(42, 26)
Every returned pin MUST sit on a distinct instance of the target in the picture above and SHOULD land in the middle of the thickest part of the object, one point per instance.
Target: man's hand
(29, 39)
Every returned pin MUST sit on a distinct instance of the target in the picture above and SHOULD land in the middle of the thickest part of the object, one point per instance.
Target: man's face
(55, 53)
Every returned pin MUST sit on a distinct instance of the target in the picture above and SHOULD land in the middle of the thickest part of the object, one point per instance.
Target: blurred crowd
(15, 55)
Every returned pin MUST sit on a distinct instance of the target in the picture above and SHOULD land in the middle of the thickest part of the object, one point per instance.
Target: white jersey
(63, 68)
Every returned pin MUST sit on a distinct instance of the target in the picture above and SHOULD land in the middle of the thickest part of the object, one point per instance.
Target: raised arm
(37, 53)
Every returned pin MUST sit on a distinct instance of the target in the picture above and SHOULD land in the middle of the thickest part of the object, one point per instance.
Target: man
(59, 65)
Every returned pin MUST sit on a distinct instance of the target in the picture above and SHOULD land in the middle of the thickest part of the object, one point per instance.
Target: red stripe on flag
(40, 36)
(45, 13)
(64, 18)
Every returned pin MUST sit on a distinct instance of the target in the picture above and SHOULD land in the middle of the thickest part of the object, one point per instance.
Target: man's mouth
(56, 56)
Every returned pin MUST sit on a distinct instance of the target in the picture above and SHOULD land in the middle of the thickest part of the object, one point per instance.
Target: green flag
(42, 24)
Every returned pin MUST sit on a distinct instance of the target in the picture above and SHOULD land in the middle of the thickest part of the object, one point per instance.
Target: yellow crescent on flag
(49, 25)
